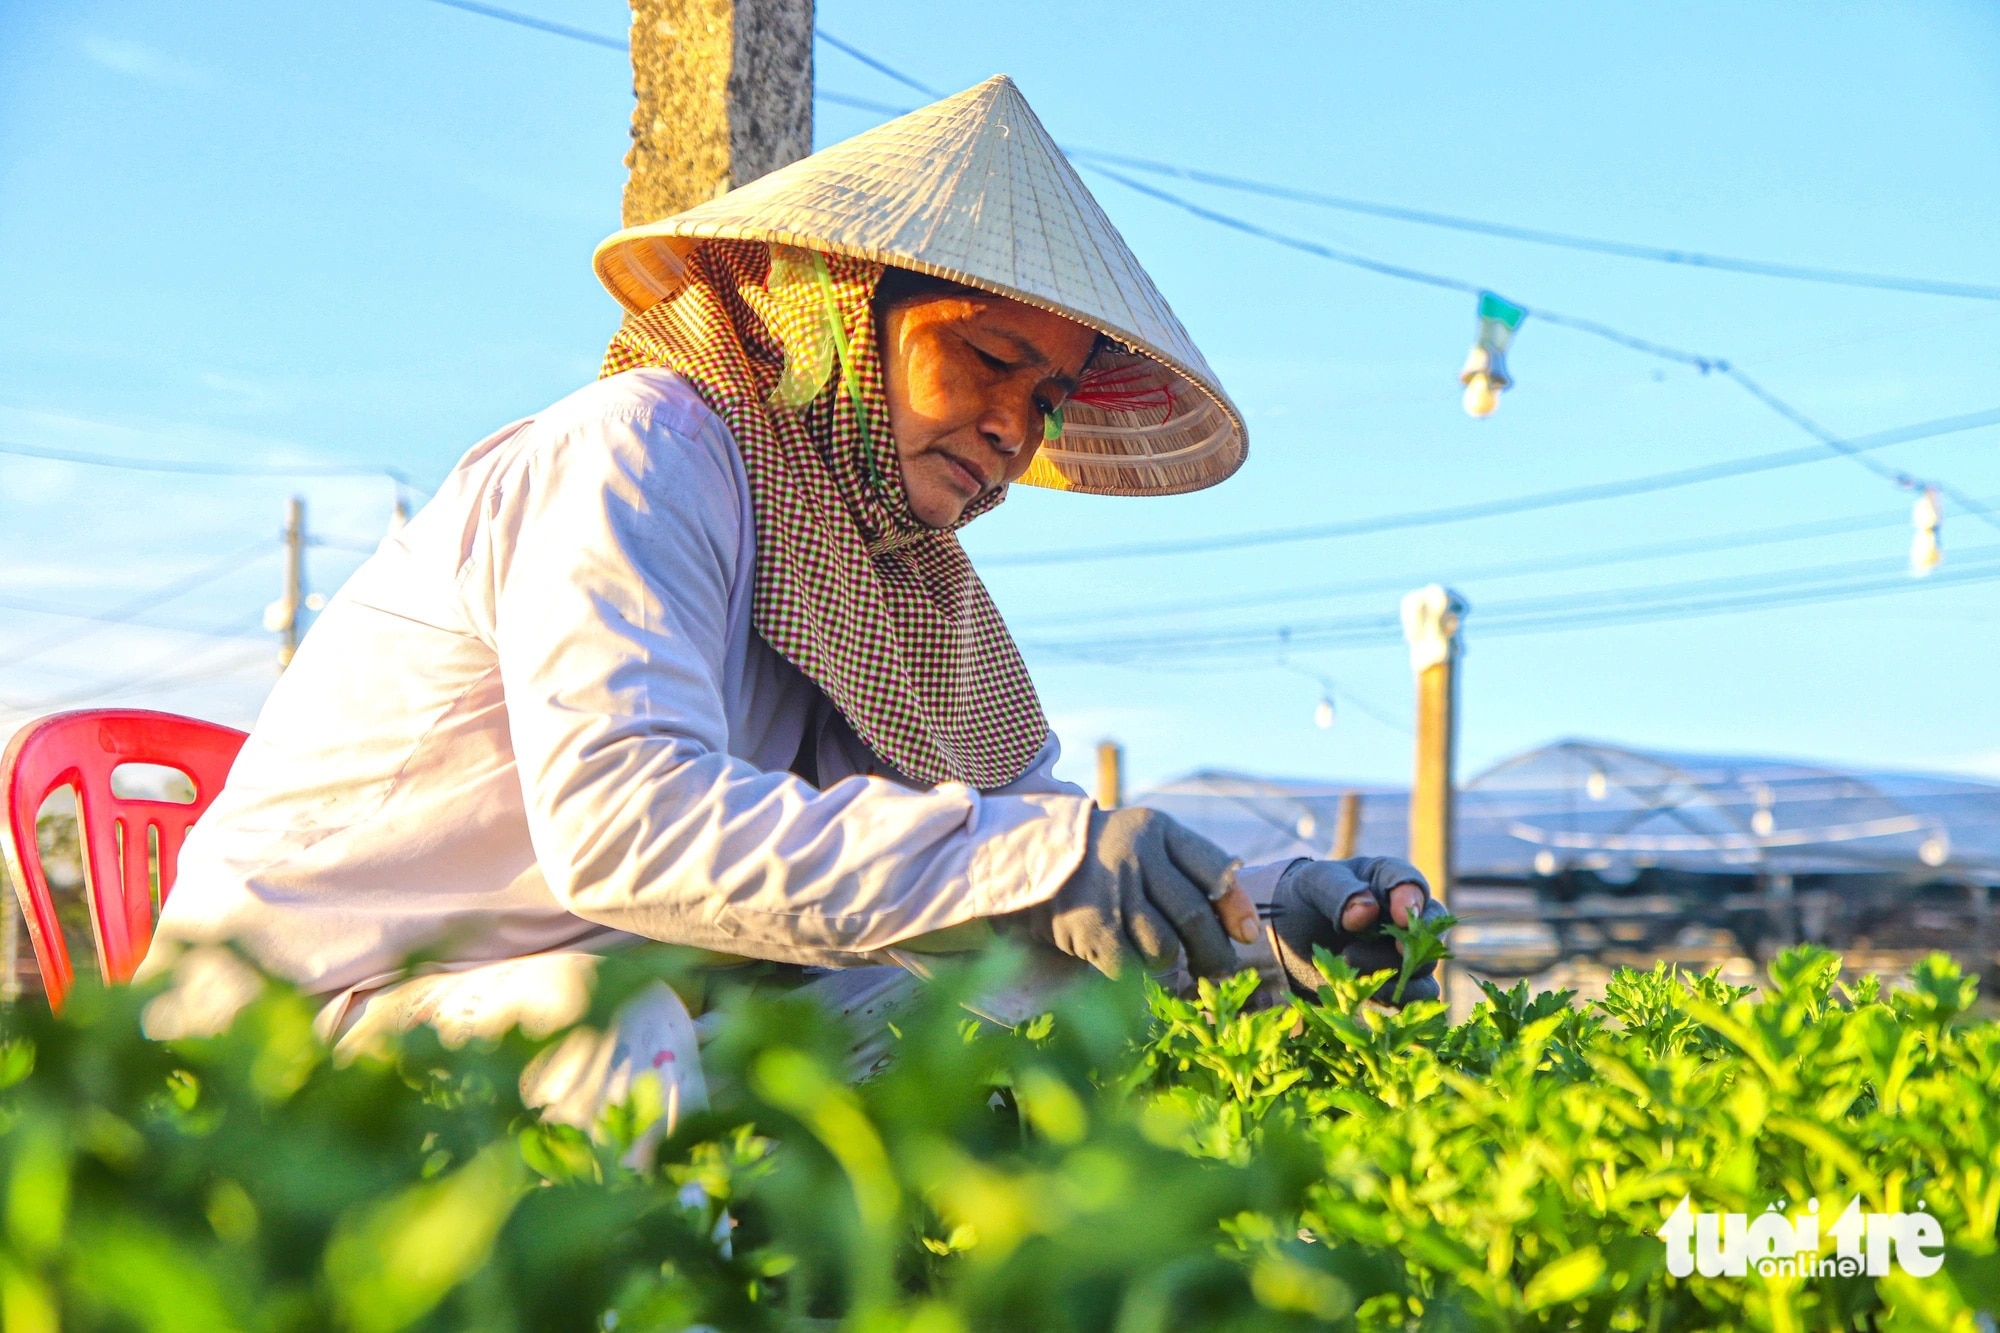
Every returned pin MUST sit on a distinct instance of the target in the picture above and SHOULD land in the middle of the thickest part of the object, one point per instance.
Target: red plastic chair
(81, 750)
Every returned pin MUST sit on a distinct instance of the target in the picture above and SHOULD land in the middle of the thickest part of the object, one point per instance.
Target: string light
(1323, 711)
(1927, 544)
(1485, 372)
(1762, 820)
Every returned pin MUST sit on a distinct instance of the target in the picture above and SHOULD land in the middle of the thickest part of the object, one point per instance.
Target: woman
(694, 656)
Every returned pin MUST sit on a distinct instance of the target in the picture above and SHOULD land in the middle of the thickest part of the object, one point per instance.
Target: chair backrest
(81, 750)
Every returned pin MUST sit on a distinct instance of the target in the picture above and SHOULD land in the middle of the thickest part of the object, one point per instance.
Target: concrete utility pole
(293, 600)
(724, 93)
(1110, 775)
(1431, 619)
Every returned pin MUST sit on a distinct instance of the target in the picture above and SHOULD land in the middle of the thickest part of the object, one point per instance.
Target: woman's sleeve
(603, 574)
(1040, 777)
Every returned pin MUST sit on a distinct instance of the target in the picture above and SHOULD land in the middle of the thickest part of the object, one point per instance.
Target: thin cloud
(145, 63)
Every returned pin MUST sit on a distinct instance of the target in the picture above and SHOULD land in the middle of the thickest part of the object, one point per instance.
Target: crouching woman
(694, 655)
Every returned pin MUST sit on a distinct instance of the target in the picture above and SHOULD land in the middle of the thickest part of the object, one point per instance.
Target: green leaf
(1423, 943)
(394, 1261)
(1565, 1279)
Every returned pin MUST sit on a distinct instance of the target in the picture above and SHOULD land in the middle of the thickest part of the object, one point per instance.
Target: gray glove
(1146, 890)
(1306, 908)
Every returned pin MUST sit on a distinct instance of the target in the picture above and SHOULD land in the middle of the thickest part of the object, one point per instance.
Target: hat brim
(1193, 443)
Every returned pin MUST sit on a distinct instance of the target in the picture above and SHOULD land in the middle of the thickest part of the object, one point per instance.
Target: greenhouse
(1584, 848)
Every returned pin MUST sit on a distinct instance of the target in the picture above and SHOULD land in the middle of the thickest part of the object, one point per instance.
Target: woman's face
(971, 378)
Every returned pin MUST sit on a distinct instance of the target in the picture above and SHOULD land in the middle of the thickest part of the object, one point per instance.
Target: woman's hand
(1149, 889)
(1339, 906)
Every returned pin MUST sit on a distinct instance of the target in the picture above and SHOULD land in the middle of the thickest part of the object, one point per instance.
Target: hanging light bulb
(1927, 543)
(1485, 372)
(399, 517)
(1323, 714)
(1482, 394)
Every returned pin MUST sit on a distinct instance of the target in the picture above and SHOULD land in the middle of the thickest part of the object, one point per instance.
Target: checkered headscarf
(883, 613)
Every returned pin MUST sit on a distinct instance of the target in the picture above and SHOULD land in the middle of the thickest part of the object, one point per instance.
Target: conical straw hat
(974, 190)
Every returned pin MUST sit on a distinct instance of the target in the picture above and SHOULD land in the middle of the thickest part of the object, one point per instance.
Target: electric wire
(169, 669)
(1480, 509)
(859, 103)
(1538, 236)
(540, 25)
(1826, 437)
(1101, 158)
(1705, 364)
(1632, 604)
(1095, 160)
(128, 611)
(1333, 689)
(197, 468)
(346, 545)
(878, 66)
(199, 629)
(1553, 564)
(1596, 328)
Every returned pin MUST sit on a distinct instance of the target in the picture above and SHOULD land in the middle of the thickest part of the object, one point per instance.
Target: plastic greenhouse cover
(1592, 806)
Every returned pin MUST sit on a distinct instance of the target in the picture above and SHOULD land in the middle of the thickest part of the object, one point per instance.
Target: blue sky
(359, 233)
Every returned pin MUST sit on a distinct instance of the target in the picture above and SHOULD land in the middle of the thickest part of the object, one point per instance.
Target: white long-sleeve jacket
(540, 716)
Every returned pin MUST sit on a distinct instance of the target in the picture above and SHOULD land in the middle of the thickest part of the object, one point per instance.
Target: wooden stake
(1347, 826)
(724, 91)
(1431, 619)
(1110, 775)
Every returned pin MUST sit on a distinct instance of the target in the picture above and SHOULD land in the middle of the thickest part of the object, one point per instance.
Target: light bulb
(279, 614)
(1306, 827)
(1323, 715)
(1762, 822)
(1596, 786)
(1482, 395)
(1484, 374)
(1935, 851)
(1926, 546)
